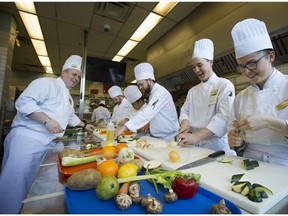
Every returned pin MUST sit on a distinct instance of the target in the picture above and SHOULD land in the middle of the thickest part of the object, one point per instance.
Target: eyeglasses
(252, 65)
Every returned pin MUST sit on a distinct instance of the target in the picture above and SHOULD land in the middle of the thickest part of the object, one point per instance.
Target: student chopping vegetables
(44, 110)
(260, 112)
(205, 112)
(160, 111)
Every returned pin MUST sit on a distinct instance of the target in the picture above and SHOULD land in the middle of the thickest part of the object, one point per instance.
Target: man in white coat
(205, 112)
(101, 112)
(160, 112)
(260, 112)
(122, 108)
(44, 110)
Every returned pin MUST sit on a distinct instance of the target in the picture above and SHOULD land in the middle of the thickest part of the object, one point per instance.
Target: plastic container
(110, 132)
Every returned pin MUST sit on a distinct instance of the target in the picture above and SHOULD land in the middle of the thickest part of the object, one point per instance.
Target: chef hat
(249, 36)
(203, 48)
(114, 91)
(132, 93)
(144, 71)
(73, 62)
(102, 102)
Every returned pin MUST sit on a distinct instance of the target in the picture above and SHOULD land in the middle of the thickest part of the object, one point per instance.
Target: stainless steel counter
(46, 195)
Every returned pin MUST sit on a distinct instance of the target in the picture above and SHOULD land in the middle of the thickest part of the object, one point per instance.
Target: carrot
(124, 188)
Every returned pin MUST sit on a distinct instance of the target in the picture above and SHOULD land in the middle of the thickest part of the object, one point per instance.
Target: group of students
(211, 117)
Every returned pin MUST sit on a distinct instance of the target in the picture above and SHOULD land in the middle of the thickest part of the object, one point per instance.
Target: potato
(84, 180)
(71, 153)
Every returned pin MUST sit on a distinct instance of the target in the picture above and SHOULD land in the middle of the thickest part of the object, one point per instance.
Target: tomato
(185, 188)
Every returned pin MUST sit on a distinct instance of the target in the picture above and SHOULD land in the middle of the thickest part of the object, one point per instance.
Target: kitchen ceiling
(63, 25)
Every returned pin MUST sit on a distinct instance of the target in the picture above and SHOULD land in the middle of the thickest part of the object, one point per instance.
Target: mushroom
(123, 201)
(145, 201)
(171, 196)
(154, 207)
(136, 199)
(134, 188)
(220, 208)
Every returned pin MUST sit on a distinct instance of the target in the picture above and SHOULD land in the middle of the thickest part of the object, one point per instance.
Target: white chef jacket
(264, 144)
(121, 111)
(134, 111)
(100, 113)
(208, 105)
(26, 144)
(160, 112)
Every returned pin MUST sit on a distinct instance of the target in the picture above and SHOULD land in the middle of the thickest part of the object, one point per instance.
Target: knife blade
(209, 158)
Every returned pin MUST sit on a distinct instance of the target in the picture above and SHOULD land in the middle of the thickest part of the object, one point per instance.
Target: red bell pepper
(185, 188)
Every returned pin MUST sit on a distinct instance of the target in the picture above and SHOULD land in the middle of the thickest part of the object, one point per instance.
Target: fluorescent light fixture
(27, 6)
(128, 46)
(45, 61)
(32, 25)
(48, 70)
(117, 58)
(146, 26)
(40, 47)
(164, 7)
(134, 81)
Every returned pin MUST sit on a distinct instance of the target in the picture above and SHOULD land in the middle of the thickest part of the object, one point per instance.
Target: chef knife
(209, 158)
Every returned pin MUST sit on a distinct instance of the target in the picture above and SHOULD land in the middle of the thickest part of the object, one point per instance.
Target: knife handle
(216, 154)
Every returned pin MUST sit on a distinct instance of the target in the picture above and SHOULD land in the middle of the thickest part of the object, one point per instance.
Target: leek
(72, 161)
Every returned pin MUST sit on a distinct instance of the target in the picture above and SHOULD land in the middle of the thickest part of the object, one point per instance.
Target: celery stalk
(71, 161)
(138, 178)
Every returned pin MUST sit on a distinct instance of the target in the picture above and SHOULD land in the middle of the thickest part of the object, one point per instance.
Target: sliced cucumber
(259, 187)
(255, 163)
(226, 160)
(250, 164)
(237, 178)
(238, 186)
(246, 189)
(263, 194)
(254, 196)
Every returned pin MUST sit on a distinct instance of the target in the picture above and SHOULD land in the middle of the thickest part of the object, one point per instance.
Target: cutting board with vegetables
(86, 202)
(216, 176)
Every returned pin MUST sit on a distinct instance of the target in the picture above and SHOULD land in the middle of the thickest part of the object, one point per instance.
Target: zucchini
(247, 164)
(254, 196)
(263, 194)
(250, 164)
(226, 160)
(259, 187)
(237, 178)
(238, 186)
(246, 189)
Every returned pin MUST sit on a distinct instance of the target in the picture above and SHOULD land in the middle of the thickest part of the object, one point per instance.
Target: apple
(185, 188)
(107, 188)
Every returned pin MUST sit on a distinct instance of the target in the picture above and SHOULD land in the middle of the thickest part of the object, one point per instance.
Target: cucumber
(238, 186)
(263, 194)
(246, 189)
(254, 196)
(247, 164)
(250, 164)
(237, 178)
(259, 187)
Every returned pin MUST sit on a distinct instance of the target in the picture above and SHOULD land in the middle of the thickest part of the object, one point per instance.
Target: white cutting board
(216, 176)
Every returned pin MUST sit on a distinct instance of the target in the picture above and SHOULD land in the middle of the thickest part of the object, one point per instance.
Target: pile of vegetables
(255, 192)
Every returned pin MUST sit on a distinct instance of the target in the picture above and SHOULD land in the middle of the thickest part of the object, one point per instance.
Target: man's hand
(185, 126)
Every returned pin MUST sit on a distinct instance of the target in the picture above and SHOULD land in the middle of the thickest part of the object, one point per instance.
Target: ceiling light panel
(164, 7)
(32, 25)
(27, 6)
(40, 47)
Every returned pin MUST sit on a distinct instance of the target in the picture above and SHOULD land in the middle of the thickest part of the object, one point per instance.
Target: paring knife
(209, 158)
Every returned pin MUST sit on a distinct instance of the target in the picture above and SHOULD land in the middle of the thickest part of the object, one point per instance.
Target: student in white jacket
(204, 115)
(44, 110)
(260, 113)
(122, 108)
(160, 112)
(101, 112)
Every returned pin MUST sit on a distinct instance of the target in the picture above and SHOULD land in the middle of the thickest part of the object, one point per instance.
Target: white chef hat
(115, 91)
(73, 62)
(249, 36)
(132, 93)
(102, 102)
(204, 48)
(144, 71)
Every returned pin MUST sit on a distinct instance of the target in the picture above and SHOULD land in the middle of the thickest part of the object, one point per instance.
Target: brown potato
(84, 180)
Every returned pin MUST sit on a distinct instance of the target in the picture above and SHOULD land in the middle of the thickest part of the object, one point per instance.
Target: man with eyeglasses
(258, 122)
(205, 112)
